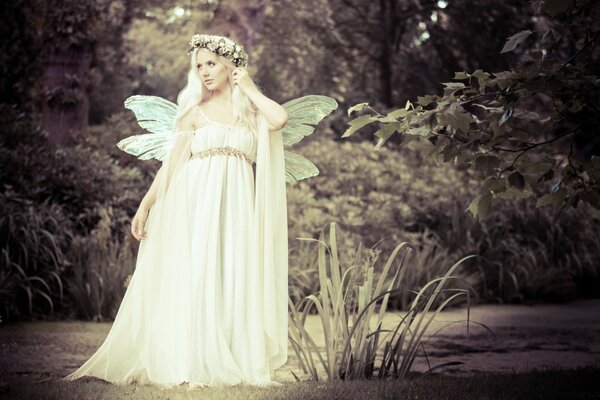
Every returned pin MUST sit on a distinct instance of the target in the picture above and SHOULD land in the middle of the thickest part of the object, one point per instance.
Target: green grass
(346, 307)
(579, 383)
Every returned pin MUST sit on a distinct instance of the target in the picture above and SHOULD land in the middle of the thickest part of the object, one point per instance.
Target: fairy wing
(156, 115)
(298, 167)
(304, 113)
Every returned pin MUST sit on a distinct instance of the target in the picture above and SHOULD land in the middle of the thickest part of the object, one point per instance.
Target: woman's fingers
(137, 227)
(134, 228)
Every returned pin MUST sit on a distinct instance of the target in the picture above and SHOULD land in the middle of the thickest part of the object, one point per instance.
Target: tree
(523, 129)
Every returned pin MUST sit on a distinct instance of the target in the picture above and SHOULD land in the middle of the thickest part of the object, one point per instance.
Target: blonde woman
(207, 303)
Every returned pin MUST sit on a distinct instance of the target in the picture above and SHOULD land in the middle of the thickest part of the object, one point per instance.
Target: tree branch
(526, 149)
(593, 40)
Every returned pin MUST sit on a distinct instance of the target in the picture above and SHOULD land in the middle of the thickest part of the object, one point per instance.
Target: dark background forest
(67, 193)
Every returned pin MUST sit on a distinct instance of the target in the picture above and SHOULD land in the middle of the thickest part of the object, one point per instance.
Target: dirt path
(526, 337)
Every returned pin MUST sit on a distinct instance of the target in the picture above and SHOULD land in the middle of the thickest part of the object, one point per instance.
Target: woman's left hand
(241, 78)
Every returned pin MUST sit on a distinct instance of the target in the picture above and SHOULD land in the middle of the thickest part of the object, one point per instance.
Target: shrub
(527, 253)
(48, 196)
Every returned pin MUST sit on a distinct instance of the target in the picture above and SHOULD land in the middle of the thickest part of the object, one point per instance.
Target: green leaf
(450, 151)
(532, 167)
(502, 79)
(546, 176)
(555, 199)
(494, 184)
(357, 107)
(481, 76)
(512, 193)
(461, 75)
(487, 163)
(399, 113)
(385, 132)
(551, 37)
(458, 118)
(357, 124)
(426, 100)
(513, 41)
(516, 179)
(481, 206)
(452, 87)
(420, 131)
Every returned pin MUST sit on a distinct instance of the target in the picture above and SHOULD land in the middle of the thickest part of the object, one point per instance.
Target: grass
(34, 355)
(581, 383)
(346, 306)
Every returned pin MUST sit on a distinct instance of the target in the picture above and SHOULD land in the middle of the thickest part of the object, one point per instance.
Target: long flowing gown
(195, 309)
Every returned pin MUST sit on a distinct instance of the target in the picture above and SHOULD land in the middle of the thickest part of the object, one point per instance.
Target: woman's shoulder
(189, 119)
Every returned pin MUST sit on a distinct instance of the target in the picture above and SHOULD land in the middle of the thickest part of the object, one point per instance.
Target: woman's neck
(220, 96)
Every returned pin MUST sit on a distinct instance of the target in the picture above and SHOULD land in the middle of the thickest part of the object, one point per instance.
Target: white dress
(193, 309)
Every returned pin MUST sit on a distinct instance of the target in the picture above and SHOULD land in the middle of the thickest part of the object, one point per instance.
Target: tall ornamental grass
(100, 267)
(349, 299)
(32, 260)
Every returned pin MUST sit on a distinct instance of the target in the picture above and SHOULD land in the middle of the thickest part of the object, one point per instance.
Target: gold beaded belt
(226, 151)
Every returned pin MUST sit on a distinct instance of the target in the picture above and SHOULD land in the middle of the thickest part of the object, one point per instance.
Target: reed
(100, 265)
(32, 240)
(350, 299)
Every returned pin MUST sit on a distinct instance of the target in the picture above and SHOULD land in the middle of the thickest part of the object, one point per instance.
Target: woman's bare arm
(150, 197)
(274, 113)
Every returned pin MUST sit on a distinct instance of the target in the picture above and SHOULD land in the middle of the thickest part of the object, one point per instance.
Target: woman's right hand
(138, 224)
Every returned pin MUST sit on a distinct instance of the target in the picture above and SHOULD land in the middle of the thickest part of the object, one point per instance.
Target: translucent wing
(156, 115)
(304, 113)
(298, 167)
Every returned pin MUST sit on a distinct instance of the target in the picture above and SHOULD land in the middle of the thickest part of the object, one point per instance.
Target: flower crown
(222, 46)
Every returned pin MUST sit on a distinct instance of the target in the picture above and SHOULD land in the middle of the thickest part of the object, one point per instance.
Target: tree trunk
(66, 105)
(385, 60)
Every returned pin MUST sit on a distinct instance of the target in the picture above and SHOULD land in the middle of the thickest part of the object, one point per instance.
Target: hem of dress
(134, 380)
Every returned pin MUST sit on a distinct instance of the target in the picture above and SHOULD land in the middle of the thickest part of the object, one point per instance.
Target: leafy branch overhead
(529, 131)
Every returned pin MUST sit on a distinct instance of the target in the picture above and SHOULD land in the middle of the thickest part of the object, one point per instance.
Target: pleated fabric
(207, 303)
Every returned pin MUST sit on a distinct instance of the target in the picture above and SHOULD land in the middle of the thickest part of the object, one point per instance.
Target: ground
(524, 339)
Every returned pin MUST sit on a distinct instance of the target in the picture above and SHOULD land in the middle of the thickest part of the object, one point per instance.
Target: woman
(207, 303)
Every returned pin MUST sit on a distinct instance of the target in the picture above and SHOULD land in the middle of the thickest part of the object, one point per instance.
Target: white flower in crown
(222, 46)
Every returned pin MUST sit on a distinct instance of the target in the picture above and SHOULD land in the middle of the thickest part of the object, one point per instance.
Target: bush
(48, 196)
(100, 265)
(391, 195)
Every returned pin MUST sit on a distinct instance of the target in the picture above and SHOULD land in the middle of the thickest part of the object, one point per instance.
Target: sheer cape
(270, 250)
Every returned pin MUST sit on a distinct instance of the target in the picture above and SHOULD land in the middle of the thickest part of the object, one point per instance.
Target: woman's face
(214, 74)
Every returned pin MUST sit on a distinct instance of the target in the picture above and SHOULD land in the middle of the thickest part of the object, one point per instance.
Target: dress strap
(200, 115)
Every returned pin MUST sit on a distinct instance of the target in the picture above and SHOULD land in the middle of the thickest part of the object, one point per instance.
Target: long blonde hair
(244, 111)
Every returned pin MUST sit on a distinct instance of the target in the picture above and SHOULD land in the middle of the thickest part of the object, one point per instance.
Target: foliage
(372, 195)
(303, 274)
(387, 196)
(346, 304)
(18, 51)
(50, 195)
(543, 111)
(100, 264)
(33, 238)
(530, 254)
(380, 51)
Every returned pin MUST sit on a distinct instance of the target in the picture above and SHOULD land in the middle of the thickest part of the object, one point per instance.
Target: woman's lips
(206, 82)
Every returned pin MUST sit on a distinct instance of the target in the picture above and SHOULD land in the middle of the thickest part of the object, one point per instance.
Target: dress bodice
(216, 135)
